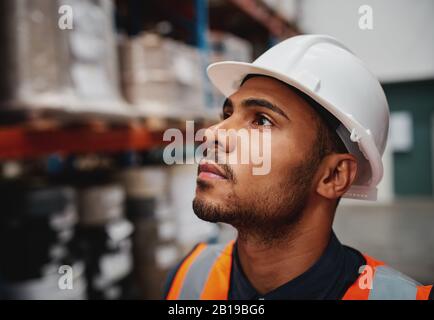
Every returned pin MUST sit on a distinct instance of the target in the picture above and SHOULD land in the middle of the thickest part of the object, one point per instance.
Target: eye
(225, 115)
(263, 121)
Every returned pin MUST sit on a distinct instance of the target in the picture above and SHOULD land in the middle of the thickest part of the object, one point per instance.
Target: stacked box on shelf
(162, 76)
(155, 230)
(225, 46)
(103, 241)
(36, 229)
(34, 53)
(93, 50)
(50, 64)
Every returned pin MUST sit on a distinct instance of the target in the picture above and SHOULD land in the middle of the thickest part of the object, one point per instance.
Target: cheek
(284, 152)
(291, 148)
(269, 159)
(260, 190)
(268, 155)
(254, 177)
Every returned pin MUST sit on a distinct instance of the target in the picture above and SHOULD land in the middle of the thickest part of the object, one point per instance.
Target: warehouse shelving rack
(18, 142)
(30, 140)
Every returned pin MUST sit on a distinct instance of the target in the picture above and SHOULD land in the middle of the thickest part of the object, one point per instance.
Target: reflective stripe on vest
(205, 274)
(387, 284)
(392, 285)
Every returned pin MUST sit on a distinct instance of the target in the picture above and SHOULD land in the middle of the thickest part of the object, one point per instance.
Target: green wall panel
(413, 170)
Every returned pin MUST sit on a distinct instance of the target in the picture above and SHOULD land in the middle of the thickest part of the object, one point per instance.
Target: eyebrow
(255, 102)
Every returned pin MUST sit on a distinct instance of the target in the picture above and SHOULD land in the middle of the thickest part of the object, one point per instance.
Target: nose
(221, 137)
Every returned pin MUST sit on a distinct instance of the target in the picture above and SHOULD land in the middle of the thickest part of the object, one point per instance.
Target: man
(328, 119)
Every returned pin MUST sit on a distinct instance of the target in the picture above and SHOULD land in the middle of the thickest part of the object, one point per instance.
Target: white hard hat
(328, 72)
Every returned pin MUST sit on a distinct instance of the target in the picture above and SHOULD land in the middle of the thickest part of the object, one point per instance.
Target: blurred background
(87, 88)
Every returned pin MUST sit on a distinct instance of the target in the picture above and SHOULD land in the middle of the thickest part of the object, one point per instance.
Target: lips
(210, 171)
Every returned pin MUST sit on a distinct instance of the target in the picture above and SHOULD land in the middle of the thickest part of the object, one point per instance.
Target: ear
(337, 172)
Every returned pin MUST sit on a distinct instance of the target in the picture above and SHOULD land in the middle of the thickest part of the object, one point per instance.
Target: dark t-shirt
(329, 278)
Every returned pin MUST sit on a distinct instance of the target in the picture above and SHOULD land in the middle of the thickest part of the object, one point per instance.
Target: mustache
(227, 169)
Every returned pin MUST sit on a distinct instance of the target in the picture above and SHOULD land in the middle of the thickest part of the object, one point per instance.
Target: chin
(209, 210)
(207, 199)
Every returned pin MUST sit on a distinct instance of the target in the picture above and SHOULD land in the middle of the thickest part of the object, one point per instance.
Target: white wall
(399, 47)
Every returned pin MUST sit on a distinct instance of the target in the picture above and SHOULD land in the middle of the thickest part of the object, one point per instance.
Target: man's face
(267, 203)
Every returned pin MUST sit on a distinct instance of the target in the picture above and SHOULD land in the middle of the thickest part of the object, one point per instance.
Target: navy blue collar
(329, 278)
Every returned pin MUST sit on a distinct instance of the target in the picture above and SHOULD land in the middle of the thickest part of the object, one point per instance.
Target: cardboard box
(44, 65)
(162, 75)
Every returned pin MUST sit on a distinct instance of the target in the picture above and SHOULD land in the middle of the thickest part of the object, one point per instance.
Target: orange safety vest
(205, 274)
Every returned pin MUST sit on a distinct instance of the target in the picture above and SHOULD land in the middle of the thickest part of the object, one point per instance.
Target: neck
(268, 266)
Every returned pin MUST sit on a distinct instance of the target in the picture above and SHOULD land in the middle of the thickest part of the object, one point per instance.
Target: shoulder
(377, 281)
